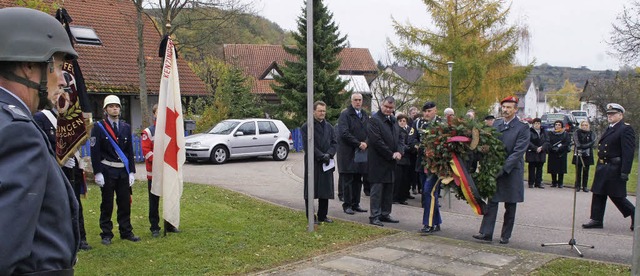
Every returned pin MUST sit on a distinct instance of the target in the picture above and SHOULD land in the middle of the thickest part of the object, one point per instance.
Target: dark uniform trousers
(381, 199)
(116, 180)
(489, 219)
(154, 203)
(599, 203)
(323, 208)
(351, 189)
(430, 194)
(76, 178)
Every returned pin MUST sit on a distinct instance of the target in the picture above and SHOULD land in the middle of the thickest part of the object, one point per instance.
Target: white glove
(132, 179)
(99, 179)
(71, 162)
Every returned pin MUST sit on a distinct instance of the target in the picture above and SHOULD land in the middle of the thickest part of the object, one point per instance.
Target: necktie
(359, 114)
(115, 128)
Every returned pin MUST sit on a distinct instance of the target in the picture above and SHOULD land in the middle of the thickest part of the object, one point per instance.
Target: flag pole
(310, 142)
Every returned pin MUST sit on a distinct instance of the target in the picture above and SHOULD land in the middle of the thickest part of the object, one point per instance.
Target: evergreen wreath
(485, 147)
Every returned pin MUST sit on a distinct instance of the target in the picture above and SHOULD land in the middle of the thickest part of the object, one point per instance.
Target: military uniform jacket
(351, 131)
(616, 142)
(324, 142)
(384, 140)
(515, 137)
(39, 218)
(101, 149)
(420, 125)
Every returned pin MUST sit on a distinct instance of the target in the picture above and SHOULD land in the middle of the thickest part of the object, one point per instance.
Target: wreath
(470, 141)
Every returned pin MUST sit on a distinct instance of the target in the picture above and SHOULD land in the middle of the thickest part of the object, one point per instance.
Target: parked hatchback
(570, 123)
(240, 138)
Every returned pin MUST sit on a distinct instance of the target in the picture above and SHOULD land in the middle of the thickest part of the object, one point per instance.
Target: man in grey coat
(510, 179)
(384, 151)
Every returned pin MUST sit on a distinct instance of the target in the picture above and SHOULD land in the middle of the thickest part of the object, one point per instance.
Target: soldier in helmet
(39, 218)
(114, 169)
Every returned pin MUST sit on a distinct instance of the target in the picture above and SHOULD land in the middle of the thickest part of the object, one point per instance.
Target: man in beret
(615, 156)
(510, 178)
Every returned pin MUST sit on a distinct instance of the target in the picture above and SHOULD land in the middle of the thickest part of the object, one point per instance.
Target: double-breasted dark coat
(39, 218)
(351, 131)
(384, 140)
(515, 137)
(537, 140)
(559, 143)
(584, 141)
(324, 141)
(618, 141)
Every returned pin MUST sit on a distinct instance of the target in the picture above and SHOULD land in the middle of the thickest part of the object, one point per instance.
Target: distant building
(409, 77)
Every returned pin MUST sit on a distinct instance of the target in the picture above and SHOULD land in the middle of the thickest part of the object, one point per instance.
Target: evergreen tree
(291, 86)
(474, 35)
(234, 91)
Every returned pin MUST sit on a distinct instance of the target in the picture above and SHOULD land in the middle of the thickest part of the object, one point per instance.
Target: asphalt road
(544, 217)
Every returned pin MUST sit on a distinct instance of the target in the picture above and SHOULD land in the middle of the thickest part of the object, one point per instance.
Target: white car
(240, 138)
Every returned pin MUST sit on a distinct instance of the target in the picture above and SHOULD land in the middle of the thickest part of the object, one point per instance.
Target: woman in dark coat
(584, 139)
(559, 145)
(536, 153)
(325, 147)
(402, 180)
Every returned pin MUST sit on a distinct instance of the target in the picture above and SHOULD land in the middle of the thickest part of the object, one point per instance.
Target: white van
(580, 115)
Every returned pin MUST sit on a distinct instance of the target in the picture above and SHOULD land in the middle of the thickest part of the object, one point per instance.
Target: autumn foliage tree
(291, 86)
(567, 97)
(475, 36)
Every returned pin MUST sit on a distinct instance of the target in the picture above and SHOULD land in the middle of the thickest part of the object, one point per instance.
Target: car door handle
(255, 138)
(275, 136)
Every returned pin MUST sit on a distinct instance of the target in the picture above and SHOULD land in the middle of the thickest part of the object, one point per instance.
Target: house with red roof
(105, 37)
(262, 62)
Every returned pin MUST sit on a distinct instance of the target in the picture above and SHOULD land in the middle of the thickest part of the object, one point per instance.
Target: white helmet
(111, 99)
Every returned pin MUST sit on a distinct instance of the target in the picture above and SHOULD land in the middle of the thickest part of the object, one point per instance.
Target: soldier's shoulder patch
(411, 131)
(92, 141)
(16, 112)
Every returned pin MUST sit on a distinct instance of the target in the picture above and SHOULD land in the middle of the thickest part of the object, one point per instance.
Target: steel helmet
(30, 35)
(111, 99)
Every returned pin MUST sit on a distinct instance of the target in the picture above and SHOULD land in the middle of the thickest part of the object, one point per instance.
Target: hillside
(549, 78)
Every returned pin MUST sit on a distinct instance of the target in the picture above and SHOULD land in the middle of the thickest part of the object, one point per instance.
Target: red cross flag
(169, 152)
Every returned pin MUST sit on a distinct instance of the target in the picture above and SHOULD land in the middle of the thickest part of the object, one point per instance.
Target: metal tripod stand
(572, 242)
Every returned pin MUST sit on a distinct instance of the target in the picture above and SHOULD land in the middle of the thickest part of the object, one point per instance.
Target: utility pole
(310, 138)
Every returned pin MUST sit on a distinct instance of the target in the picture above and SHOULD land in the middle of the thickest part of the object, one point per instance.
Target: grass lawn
(568, 266)
(223, 232)
(570, 176)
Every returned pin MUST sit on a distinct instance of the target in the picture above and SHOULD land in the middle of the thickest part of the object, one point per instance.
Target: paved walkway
(544, 217)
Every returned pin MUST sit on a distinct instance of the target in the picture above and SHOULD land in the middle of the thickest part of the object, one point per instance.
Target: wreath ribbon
(463, 179)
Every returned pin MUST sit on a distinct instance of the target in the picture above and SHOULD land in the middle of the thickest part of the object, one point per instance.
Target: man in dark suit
(352, 134)
(615, 157)
(324, 148)
(114, 169)
(384, 151)
(510, 179)
(39, 218)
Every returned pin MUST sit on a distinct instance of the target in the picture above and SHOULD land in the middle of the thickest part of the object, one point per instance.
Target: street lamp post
(450, 67)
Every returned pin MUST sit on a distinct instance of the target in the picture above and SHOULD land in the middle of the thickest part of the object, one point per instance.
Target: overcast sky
(563, 32)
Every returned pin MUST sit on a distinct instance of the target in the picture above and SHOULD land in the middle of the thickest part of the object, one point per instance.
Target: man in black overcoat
(324, 148)
(510, 178)
(384, 151)
(352, 137)
(616, 148)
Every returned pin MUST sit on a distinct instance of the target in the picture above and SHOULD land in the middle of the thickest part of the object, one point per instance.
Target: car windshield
(224, 127)
(554, 117)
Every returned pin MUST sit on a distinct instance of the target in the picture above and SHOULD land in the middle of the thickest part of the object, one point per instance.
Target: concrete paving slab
(425, 247)
(360, 266)
(463, 269)
(383, 254)
(313, 271)
(496, 260)
(423, 262)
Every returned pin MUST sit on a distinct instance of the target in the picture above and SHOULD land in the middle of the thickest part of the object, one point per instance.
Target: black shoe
(541, 186)
(84, 245)
(349, 211)
(132, 238)
(401, 202)
(411, 197)
(560, 186)
(483, 237)
(388, 219)
(155, 233)
(585, 190)
(504, 240)
(530, 186)
(327, 220)
(341, 198)
(359, 210)
(376, 222)
(173, 230)
(554, 185)
(633, 220)
(436, 228)
(106, 241)
(592, 224)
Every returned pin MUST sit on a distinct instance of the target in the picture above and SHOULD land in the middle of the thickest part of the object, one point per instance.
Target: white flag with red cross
(169, 149)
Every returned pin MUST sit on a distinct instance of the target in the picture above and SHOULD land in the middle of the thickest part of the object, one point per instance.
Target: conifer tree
(474, 35)
(291, 86)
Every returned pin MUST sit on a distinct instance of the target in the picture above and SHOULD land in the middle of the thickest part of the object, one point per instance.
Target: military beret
(614, 108)
(428, 105)
(489, 117)
(510, 99)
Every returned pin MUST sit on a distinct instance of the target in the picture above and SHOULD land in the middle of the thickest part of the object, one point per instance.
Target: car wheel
(219, 155)
(281, 152)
